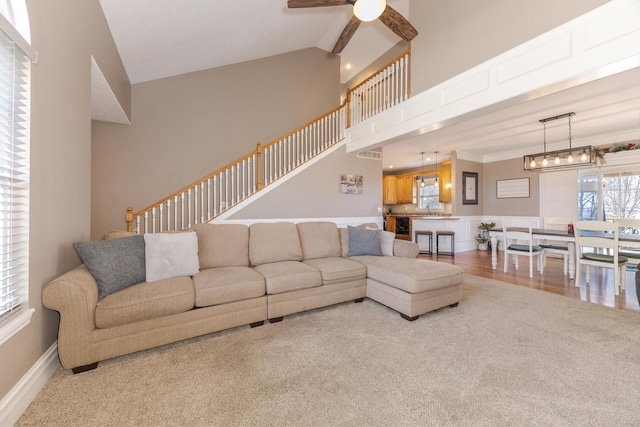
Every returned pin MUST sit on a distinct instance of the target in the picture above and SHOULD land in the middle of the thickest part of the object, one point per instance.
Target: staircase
(216, 193)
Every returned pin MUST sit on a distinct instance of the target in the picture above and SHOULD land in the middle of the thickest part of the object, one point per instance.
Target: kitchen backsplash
(410, 208)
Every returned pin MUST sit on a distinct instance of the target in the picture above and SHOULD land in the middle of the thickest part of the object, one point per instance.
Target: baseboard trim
(22, 394)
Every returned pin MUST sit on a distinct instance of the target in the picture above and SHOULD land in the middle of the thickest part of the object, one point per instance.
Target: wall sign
(512, 188)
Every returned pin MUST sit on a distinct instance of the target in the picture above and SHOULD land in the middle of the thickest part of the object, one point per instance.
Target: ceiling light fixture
(436, 165)
(562, 158)
(368, 10)
(422, 183)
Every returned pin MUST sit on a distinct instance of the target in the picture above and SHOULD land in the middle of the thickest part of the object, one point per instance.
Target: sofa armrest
(405, 248)
(75, 296)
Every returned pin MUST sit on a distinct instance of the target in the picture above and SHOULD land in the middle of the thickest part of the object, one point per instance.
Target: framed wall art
(469, 188)
(351, 184)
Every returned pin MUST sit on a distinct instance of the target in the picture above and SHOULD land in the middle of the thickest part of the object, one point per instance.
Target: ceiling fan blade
(398, 24)
(346, 35)
(293, 4)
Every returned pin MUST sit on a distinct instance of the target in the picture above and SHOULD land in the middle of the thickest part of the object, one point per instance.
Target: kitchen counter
(414, 216)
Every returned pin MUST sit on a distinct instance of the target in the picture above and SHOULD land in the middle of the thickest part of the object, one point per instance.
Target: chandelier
(572, 157)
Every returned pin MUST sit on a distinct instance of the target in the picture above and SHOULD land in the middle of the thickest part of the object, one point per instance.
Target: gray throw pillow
(115, 264)
(364, 242)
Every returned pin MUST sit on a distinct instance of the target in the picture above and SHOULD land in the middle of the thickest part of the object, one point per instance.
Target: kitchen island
(405, 224)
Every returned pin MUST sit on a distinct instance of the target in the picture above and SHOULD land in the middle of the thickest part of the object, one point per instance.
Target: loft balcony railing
(208, 197)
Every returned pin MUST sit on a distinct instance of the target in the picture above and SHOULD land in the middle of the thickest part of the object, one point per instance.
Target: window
(609, 194)
(429, 195)
(15, 69)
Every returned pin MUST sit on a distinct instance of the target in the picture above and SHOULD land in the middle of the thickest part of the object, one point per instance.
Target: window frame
(18, 317)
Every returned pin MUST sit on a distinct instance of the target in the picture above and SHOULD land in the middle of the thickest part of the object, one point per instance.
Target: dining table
(624, 240)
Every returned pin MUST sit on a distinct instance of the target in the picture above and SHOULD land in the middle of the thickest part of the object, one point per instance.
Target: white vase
(483, 246)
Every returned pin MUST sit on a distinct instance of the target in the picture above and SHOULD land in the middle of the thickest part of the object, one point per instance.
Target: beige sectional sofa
(246, 275)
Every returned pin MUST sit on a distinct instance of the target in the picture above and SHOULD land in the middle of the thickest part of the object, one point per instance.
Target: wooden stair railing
(217, 192)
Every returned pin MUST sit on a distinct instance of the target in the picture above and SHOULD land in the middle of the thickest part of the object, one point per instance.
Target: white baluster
(226, 189)
(189, 206)
(202, 203)
(195, 205)
(153, 220)
(176, 207)
(169, 214)
(183, 211)
(161, 217)
(209, 197)
(216, 205)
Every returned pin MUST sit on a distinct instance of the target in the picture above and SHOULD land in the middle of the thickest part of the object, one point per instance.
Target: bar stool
(428, 233)
(445, 233)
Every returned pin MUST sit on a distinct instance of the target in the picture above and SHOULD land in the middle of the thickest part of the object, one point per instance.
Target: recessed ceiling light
(348, 66)
(390, 166)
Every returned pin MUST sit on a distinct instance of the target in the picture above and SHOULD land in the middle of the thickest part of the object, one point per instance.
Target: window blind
(15, 69)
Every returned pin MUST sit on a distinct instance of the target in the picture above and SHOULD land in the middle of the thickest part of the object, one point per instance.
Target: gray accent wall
(186, 127)
(65, 33)
(315, 192)
(521, 206)
(457, 167)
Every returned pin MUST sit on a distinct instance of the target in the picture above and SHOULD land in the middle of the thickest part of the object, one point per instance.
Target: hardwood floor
(599, 291)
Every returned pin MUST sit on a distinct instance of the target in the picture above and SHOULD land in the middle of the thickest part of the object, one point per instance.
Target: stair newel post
(128, 217)
(259, 162)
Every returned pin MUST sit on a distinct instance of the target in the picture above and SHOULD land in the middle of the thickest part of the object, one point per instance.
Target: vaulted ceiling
(162, 38)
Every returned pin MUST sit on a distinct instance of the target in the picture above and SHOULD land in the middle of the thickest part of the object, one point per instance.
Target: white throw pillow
(386, 242)
(170, 255)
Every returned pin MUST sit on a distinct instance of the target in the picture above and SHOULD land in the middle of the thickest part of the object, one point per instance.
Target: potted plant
(483, 242)
(483, 237)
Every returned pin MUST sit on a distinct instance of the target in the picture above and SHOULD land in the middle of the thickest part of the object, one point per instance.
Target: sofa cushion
(289, 276)
(410, 274)
(274, 242)
(171, 255)
(344, 236)
(319, 240)
(338, 270)
(221, 285)
(222, 245)
(115, 264)
(363, 241)
(387, 240)
(145, 301)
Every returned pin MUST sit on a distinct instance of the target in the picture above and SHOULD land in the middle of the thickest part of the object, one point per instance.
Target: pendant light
(545, 162)
(422, 183)
(570, 157)
(436, 165)
(585, 156)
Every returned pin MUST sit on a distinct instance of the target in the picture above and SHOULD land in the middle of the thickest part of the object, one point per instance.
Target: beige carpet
(506, 356)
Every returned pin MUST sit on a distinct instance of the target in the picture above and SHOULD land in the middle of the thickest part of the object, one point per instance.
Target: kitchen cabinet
(390, 224)
(389, 190)
(444, 182)
(405, 188)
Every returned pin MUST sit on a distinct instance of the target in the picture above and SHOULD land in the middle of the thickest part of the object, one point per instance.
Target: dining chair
(597, 244)
(629, 226)
(519, 243)
(556, 247)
